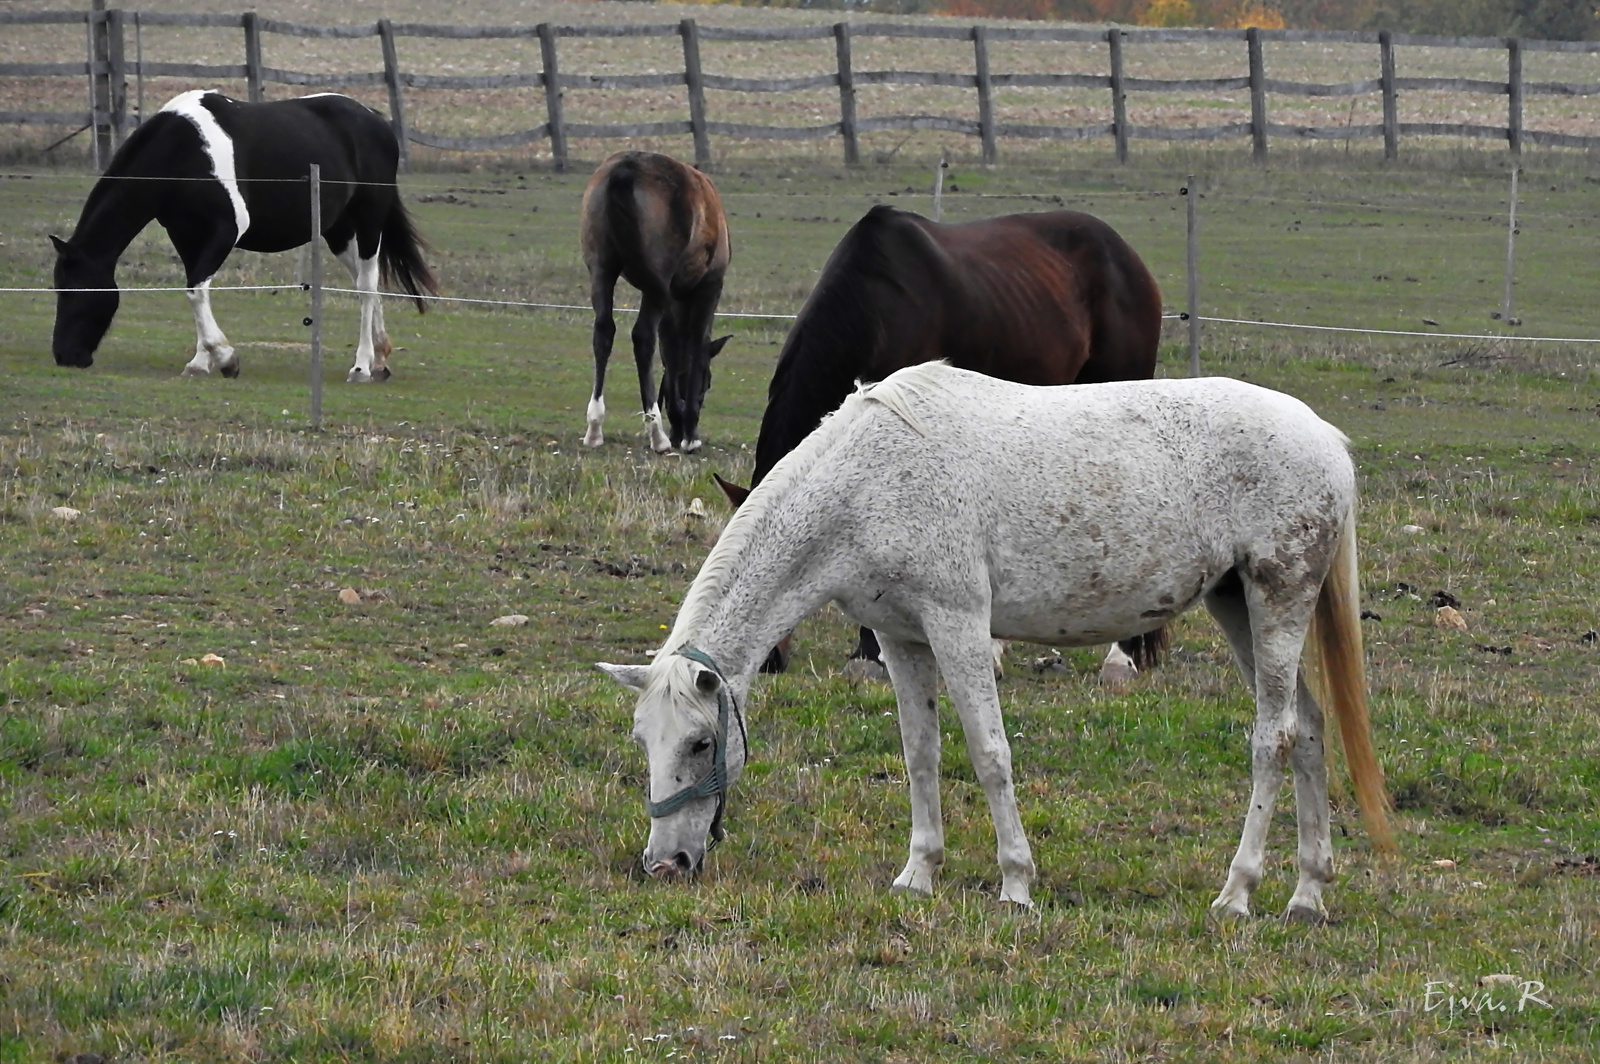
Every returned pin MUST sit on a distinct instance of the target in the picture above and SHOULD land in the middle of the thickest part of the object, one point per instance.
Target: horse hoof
(1117, 676)
(231, 370)
(593, 438)
(383, 374)
(357, 375)
(865, 670)
(691, 446)
(1304, 914)
(192, 370)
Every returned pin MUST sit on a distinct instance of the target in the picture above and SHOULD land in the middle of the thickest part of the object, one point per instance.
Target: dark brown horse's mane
(829, 347)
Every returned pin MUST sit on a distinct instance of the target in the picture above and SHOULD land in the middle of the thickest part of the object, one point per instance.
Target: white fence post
(1192, 268)
(315, 321)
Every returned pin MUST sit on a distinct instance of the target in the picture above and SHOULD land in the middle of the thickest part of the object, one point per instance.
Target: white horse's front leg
(965, 658)
(915, 675)
(369, 365)
(211, 348)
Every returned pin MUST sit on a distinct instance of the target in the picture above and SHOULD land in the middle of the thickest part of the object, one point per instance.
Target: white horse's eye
(700, 746)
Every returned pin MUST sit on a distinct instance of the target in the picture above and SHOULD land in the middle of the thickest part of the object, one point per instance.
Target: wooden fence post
(315, 320)
(1192, 270)
(690, 31)
(1511, 252)
(1119, 100)
(252, 55)
(1258, 94)
(847, 94)
(117, 74)
(397, 101)
(99, 82)
(980, 55)
(552, 96)
(1514, 89)
(138, 67)
(1391, 104)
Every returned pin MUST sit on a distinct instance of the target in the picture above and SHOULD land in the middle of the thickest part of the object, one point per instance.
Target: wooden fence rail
(107, 66)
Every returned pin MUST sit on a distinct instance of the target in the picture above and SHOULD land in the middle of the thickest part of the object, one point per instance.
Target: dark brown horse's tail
(1146, 650)
(400, 256)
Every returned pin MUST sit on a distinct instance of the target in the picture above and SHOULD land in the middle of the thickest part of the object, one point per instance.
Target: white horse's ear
(632, 676)
(706, 681)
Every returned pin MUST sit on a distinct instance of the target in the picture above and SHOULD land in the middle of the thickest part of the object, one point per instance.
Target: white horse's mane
(721, 564)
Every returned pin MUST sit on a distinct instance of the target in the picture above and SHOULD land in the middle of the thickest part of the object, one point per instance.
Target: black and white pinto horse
(941, 507)
(220, 174)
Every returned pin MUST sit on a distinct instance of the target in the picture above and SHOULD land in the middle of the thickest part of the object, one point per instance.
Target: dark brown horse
(658, 223)
(1053, 298)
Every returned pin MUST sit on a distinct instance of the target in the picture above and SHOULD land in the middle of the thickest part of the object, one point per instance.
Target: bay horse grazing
(658, 223)
(220, 174)
(1051, 298)
(942, 505)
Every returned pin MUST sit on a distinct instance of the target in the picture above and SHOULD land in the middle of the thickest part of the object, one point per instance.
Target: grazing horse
(659, 223)
(1052, 298)
(220, 174)
(942, 505)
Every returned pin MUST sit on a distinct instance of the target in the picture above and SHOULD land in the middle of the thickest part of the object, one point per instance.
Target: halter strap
(715, 782)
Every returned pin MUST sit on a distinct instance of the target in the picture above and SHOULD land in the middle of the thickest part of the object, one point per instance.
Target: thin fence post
(980, 55)
(689, 29)
(1192, 269)
(397, 102)
(99, 83)
(138, 66)
(1391, 104)
(117, 74)
(552, 96)
(1514, 94)
(252, 55)
(1511, 252)
(847, 94)
(315, 321)
(1119, 99)
(1258, 94)
(938, 187)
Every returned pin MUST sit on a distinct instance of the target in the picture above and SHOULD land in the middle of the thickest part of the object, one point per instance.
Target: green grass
(388, 831)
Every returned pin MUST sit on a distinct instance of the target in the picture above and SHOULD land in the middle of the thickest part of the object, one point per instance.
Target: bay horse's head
(692, 732)
(684, 384)
(82, 317)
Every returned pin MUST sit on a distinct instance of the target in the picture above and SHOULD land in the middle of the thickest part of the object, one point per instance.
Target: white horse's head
(692, 733)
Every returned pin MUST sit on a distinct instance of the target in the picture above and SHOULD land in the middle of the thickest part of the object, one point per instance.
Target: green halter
(715, 782)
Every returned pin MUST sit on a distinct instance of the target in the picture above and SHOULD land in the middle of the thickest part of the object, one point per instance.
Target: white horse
(941, 506)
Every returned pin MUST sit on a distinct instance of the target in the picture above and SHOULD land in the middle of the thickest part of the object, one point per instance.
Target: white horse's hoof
(909, 882)
(192, 370)
(1224, 910)
(1016, 895)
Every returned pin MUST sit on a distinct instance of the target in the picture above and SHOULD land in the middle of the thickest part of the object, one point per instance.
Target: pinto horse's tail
(400, 256)
(1339, 672)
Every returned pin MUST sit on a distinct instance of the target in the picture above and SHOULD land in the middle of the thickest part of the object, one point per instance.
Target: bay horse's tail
(1147, 650)
(1339, 671)
(400, 256)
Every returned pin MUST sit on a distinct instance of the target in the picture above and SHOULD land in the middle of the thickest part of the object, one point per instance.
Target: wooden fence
(107, 67)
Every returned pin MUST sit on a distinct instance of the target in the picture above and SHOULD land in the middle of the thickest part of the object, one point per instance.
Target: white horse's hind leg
(1268, 653)
(964, 652)
(369, 366)
(915, 675)
(1311, 812)
(211, 348)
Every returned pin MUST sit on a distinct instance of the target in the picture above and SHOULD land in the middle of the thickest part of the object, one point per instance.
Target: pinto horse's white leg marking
(1117, 668)
(915, 675)
(369, 365)
(211, 348)
(594, 435)
(218, 147)
(962, 644)
(691, 446)
(658, 436)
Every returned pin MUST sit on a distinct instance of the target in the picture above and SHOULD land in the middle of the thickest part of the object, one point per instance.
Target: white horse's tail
(1338, 667)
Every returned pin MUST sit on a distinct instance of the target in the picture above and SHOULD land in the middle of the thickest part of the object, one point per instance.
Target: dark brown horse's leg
(602, 284)
(651, 309)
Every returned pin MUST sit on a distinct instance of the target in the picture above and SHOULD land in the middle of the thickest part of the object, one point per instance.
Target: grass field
(385, 830)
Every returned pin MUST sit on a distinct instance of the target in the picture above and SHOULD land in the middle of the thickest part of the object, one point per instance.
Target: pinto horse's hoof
(230, 371)
(357, 375)
(383, 374)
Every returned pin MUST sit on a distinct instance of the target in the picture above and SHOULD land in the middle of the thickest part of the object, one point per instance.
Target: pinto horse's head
(82, 317)
(683, 393)
(692, 731)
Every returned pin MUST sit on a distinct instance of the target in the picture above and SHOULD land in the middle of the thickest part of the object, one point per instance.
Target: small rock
(1444, 863)
(65, 513)
(1499, 979)
(349, 596)
(510, 620)
(213, 660)
(188, 661)
(697, 508)
(1371, 615)
(1444, 598)
(1412, 530)
(1450, 617)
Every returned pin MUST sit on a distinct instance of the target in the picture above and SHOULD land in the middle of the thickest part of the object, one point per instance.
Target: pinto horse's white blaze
(218, 147)
(211, 347)
(372, 346)
(1232, 495)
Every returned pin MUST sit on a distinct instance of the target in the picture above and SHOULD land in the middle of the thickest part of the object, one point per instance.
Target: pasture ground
(384, 830)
